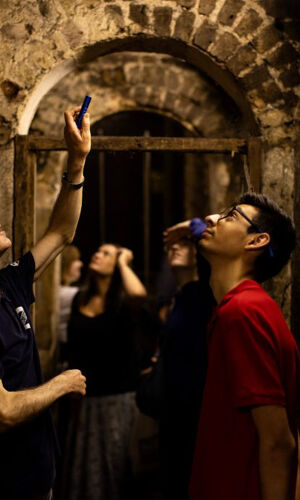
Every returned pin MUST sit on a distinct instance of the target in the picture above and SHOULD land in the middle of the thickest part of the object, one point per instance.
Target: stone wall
(250, 49)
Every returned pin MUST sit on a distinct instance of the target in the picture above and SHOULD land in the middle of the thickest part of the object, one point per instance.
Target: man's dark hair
(273, 220)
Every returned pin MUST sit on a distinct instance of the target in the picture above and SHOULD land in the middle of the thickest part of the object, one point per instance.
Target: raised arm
(67, 208)
(174, 233)
(19, 406)
(277, 449)
(131, 283)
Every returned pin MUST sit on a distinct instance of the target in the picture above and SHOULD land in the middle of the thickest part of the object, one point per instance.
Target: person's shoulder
(24, 262)
(250, 299)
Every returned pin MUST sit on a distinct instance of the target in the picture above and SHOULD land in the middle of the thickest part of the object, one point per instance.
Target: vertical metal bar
(24, 227)
(102, 198)
(146, 210)
(24, 219)
(254, 153)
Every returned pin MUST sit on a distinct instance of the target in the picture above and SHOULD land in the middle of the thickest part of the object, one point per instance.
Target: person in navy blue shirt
(27, 437)
(171, 389)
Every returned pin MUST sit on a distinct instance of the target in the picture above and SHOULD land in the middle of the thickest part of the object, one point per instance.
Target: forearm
(131, 283)
(66, 211)
(19, 406)
(276, 470)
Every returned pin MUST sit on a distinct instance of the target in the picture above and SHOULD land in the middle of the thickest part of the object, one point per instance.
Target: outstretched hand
(177, 232)
(78, 140)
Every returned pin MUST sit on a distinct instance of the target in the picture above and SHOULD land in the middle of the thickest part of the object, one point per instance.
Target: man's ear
(257, 241)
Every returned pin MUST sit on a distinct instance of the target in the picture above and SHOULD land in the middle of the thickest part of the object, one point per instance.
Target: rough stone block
(170, 100)
(134, 74)
(290, 77)
(269, 93)
(115, 14)
(184, 26)
(113, 77)
(14, 31)
(242, 59)
(267, 38)
(285, 54)
(162, 20)
(290, 100)
(229, 11)
(5, 130)
(182, 106)
(198, 93)
(256, 78)
(10, 89)
(43, 7)
(138, 14)
(172, 80)
(206, 6)
(140, 94)
(205, 35)
(151, 75)
(225, 46)
(72, 34)
(248, 23)
(292, 28)
(188, 4)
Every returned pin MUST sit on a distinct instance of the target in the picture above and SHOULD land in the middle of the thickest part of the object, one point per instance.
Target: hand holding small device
(83, 110)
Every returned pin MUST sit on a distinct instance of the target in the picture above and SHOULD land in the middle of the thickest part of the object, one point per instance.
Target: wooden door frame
(26, 147)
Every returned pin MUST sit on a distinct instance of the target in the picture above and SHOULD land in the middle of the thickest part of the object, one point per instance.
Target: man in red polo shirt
(246, 447)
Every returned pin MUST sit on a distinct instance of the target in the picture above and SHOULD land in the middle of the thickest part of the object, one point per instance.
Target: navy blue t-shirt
(184, 361)
(27, 452)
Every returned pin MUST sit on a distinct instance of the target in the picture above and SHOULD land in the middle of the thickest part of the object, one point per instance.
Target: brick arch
(236, 43)
(190, 54)
(124, 81)
(180, 49)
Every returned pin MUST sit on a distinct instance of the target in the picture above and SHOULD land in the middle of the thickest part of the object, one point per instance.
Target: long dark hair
(115, 293)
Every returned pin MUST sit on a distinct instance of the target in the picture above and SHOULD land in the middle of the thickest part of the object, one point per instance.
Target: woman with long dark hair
(101, 344)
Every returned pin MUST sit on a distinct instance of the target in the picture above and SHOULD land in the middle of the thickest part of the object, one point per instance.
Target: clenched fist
(73, 381)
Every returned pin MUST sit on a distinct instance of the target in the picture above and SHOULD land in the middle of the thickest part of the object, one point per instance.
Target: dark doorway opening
(129, 197)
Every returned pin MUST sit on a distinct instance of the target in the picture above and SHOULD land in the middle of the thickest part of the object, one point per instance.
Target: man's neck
(225, 276)
(184, 275)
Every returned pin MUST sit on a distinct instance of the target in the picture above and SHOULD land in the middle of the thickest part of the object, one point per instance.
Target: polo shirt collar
(245, 285)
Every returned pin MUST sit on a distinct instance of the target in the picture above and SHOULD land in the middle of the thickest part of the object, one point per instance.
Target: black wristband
(71, 184)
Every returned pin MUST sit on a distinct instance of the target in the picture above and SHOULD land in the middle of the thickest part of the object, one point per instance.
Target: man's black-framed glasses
(235, 208)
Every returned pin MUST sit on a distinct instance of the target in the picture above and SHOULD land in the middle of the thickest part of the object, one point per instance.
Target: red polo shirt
(252, 360)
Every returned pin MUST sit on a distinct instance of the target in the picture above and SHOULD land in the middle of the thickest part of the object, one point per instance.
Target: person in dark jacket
(172, 390)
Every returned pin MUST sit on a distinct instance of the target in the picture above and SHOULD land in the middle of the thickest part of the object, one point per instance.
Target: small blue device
(83, 110)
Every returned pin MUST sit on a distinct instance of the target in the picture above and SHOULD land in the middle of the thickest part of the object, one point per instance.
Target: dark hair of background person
(274, 221)
(115, 292)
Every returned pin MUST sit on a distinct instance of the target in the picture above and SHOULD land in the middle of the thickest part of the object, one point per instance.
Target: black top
(184, 360)
(103, 348)
(27, 463)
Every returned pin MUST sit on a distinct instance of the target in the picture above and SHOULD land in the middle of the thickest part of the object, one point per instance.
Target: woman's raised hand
(125, 256)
